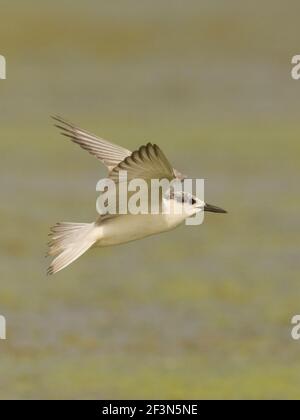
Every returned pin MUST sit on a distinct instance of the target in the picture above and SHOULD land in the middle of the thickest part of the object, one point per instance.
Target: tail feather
(68, 241)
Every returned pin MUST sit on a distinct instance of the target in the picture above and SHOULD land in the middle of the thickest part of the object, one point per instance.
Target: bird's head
(189, 204)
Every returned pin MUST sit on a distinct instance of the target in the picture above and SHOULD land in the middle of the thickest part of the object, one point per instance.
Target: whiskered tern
(68, 241)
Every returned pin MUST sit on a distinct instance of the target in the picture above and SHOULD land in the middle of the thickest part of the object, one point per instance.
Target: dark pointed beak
(213, 209)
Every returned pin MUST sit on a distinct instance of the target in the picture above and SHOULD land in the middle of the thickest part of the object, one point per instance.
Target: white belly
(126, 228)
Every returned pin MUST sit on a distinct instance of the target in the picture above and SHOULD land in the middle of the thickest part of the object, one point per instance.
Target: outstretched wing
(108, 153)
(148, 162)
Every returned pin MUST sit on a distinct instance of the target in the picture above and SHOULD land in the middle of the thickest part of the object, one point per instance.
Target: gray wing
(108, 153)
(148, 162)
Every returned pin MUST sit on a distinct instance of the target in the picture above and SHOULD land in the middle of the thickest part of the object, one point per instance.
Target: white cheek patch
(196, 219)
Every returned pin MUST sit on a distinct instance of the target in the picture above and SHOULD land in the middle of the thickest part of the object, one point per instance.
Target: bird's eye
(193, 201)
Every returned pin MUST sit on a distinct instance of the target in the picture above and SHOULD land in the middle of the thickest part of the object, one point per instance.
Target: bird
(68, 241)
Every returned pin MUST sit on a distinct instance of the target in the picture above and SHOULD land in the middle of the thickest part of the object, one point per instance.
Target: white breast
(125, 228)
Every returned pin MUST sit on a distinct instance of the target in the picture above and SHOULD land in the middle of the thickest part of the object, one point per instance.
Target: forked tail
(68, 241)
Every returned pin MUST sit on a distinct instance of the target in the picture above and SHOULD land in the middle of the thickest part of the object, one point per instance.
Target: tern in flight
(68, 241)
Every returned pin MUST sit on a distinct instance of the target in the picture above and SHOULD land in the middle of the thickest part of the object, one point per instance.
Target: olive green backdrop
(200, 312)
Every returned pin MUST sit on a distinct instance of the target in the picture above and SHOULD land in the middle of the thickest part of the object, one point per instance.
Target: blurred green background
(200, 312)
